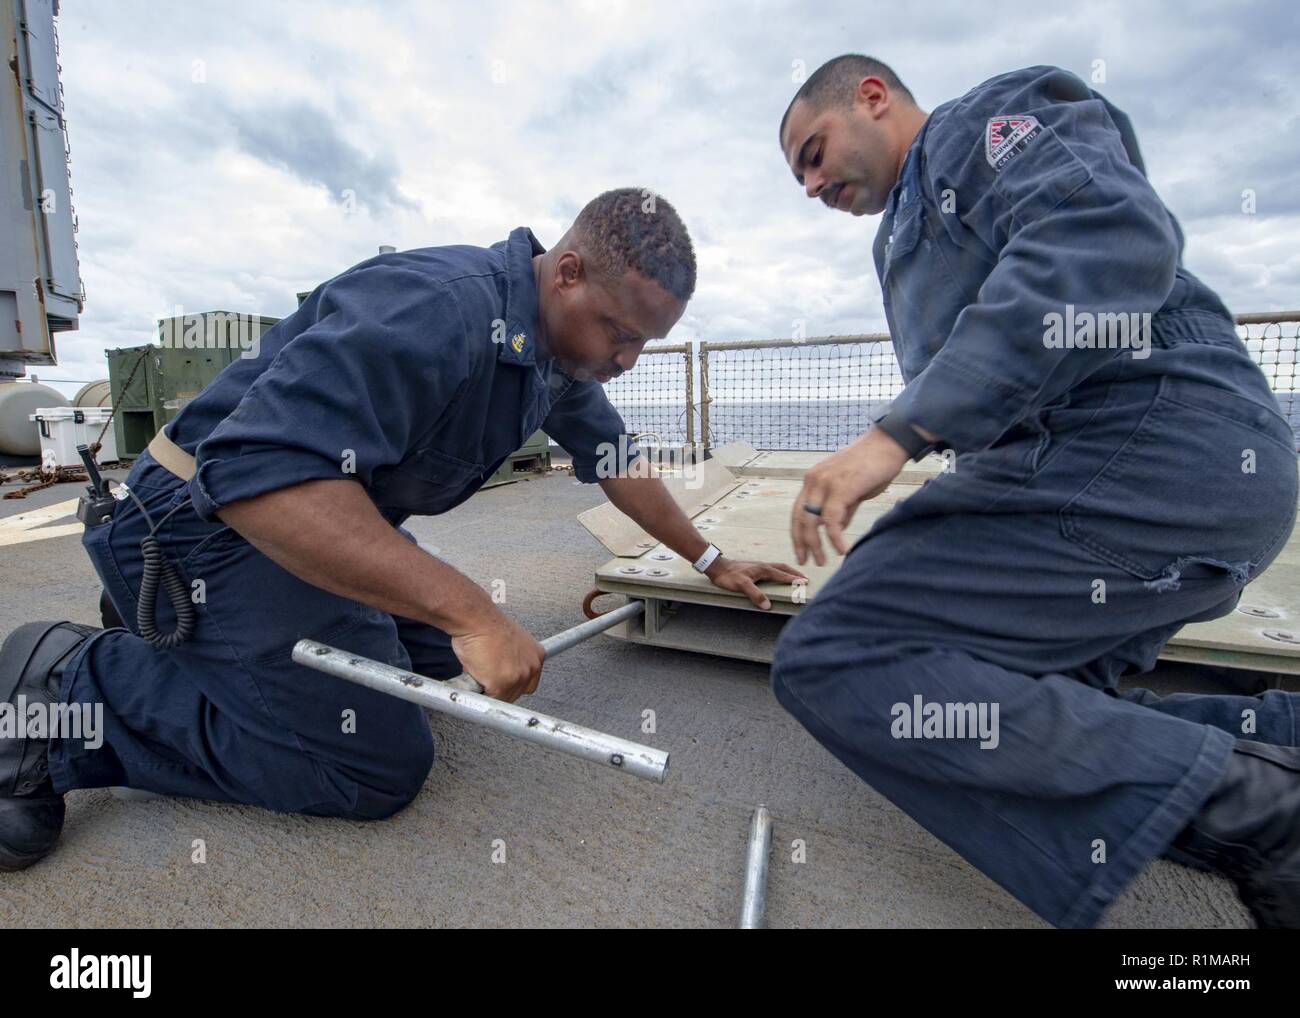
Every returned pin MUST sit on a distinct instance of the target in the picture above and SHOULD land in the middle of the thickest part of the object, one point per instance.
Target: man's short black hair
(634, 228)
(835, 82)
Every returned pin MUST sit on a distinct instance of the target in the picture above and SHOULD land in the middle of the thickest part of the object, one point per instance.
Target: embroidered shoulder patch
(1005, 136)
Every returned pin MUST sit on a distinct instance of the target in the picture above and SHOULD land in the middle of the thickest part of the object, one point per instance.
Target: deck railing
(816, 393)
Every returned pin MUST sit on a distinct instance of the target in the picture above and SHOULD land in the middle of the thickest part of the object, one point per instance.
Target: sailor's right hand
(502, 656)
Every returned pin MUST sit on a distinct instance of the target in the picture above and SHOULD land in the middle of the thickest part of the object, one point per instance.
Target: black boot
(32, 660)
(1249, 830)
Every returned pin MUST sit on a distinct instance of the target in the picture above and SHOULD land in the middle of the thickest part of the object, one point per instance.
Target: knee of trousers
(386, 784)
(807, 649)
(808, 653)
(827, 673)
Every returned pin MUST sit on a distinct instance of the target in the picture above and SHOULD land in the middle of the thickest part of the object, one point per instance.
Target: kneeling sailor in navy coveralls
(1119, 468)
(397, 388)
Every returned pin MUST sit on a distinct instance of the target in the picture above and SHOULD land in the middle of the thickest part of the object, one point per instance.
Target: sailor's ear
(569, 269)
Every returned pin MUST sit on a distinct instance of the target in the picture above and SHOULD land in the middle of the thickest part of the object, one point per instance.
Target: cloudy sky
(228, 154)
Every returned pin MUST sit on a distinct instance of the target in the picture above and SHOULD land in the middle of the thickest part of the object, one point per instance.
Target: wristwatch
(903, 433)
(710, 555)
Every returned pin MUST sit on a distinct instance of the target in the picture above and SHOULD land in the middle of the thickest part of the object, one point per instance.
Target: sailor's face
(597, 328)
(840, 157)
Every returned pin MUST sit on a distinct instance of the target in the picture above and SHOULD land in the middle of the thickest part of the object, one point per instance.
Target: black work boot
(32, 660)
(1249, 830)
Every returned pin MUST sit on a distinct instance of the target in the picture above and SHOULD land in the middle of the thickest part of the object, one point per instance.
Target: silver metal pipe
(510, 719)
(561, 642)
(760, 846)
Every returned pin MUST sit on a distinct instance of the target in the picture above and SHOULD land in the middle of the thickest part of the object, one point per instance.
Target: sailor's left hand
(835, 487)
(744, 577)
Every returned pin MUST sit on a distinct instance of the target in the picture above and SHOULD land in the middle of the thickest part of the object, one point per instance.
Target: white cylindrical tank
(18, 400)
(93, 394)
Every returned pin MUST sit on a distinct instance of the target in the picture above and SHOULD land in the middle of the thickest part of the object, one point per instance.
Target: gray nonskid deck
(583, 846)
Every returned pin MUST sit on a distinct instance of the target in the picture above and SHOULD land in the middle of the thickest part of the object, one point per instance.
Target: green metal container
(153, 382)
(534, 456)
(134, 385)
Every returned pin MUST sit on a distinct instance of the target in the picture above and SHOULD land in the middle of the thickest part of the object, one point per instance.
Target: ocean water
(792, 424)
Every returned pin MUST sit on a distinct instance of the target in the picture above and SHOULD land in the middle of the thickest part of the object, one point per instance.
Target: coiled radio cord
(158, 571)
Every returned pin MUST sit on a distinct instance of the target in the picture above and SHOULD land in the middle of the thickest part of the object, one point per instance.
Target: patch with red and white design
(1005, 136)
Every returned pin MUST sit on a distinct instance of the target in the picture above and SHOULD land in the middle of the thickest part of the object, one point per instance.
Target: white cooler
(63, 428)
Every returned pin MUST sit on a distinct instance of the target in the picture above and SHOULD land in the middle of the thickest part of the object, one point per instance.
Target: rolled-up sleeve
(588, 427)
(1072, 221)
(346, 397)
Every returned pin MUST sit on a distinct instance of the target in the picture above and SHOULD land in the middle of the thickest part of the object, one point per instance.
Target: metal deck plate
(750, 517)
(693, 489)
(793, 465)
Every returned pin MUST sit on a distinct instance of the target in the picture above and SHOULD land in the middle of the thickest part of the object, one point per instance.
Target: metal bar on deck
(510, 719)
(760, 846)
(561, 642)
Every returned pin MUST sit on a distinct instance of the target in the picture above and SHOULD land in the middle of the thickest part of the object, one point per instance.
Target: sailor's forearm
(646, 501)
(329, 534)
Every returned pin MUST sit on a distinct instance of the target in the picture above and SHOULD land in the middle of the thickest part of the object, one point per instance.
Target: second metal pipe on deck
(754, 902)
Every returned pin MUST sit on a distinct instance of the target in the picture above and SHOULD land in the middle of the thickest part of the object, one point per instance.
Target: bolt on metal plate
(1258, 612)
(1281, 636)
(630, 569)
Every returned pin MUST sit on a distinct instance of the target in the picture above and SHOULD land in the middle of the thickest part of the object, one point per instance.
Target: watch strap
(903, 433)
(710, 555)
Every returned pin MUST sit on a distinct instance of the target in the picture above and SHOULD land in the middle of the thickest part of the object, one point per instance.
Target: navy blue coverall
(1100, 498)
(412, 373)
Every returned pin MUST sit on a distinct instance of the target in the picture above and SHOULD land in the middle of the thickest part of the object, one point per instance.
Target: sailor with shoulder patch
(1100, 404)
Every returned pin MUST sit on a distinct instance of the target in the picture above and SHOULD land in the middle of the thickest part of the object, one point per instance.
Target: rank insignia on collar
(1005, 136)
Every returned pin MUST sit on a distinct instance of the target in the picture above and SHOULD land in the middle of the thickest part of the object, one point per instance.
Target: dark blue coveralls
(412, 373)
(1170, 478)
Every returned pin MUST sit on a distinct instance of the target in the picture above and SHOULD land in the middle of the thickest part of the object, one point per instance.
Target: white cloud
(453, 123)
